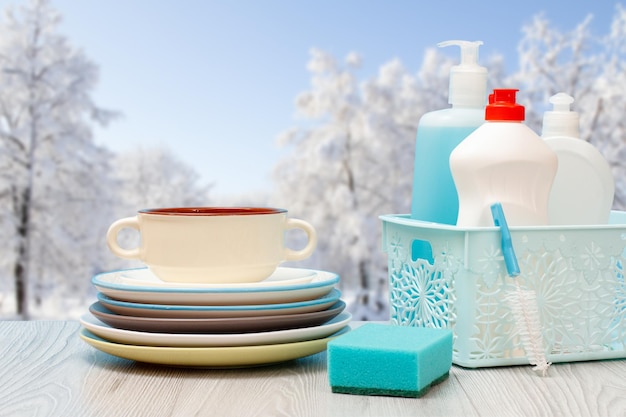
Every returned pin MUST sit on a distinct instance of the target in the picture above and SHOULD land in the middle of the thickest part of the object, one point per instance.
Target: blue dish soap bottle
(435, 197)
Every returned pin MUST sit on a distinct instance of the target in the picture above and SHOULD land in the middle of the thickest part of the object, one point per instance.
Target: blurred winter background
(109, 107)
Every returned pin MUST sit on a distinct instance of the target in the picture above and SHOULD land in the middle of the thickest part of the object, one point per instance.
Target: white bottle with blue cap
(435, 197)
(584, 188)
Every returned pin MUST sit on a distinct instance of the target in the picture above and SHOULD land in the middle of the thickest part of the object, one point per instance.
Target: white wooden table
(47, 370)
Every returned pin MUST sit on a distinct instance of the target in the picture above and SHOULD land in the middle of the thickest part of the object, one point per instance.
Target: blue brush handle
(512, 267)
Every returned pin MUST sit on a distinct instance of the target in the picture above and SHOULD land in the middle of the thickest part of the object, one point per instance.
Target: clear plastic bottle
(584, 186)
(503, 161)
(439, 132)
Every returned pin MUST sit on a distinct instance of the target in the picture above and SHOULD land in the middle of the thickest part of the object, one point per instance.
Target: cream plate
(207, 340)
(143, 277)
(285, 285)
(208, 311)
(218, 357)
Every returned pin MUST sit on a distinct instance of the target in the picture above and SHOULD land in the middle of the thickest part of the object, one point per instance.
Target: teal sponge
(378, 359)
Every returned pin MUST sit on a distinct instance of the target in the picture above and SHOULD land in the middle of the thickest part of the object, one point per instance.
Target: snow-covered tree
(353, 159)
(590, 68)
(156, 177)
(355, 164)
(551, 61)
(54, 182)
(605, 116)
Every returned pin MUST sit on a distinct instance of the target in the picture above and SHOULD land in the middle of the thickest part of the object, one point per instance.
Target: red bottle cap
(502, 106)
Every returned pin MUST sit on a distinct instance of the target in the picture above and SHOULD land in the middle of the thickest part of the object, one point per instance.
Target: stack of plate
(289, 315)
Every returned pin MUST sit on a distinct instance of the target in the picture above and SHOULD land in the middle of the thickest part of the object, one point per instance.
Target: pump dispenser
(468, 81)
(584, 187)
(503, 161)
(435, 197)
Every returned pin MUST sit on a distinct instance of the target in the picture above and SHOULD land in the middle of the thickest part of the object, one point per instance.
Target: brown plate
(215, 325)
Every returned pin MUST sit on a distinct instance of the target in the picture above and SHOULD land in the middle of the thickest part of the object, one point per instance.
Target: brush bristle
(523, 303)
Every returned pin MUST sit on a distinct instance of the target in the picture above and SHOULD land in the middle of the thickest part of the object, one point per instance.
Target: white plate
(289, 285)
(209, 311)
(143, 277)
(215, 357)
(207, 340)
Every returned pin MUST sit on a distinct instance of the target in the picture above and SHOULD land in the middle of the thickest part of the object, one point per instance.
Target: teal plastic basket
(447, 277)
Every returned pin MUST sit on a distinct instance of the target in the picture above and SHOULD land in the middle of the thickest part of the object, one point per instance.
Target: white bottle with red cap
(503, 161)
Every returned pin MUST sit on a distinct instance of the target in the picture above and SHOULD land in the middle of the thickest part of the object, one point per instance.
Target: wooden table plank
(46, 370)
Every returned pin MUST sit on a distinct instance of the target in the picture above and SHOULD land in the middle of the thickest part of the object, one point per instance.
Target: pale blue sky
(216, 81)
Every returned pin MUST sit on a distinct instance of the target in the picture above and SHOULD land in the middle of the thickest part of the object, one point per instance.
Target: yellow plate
(222, 357)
